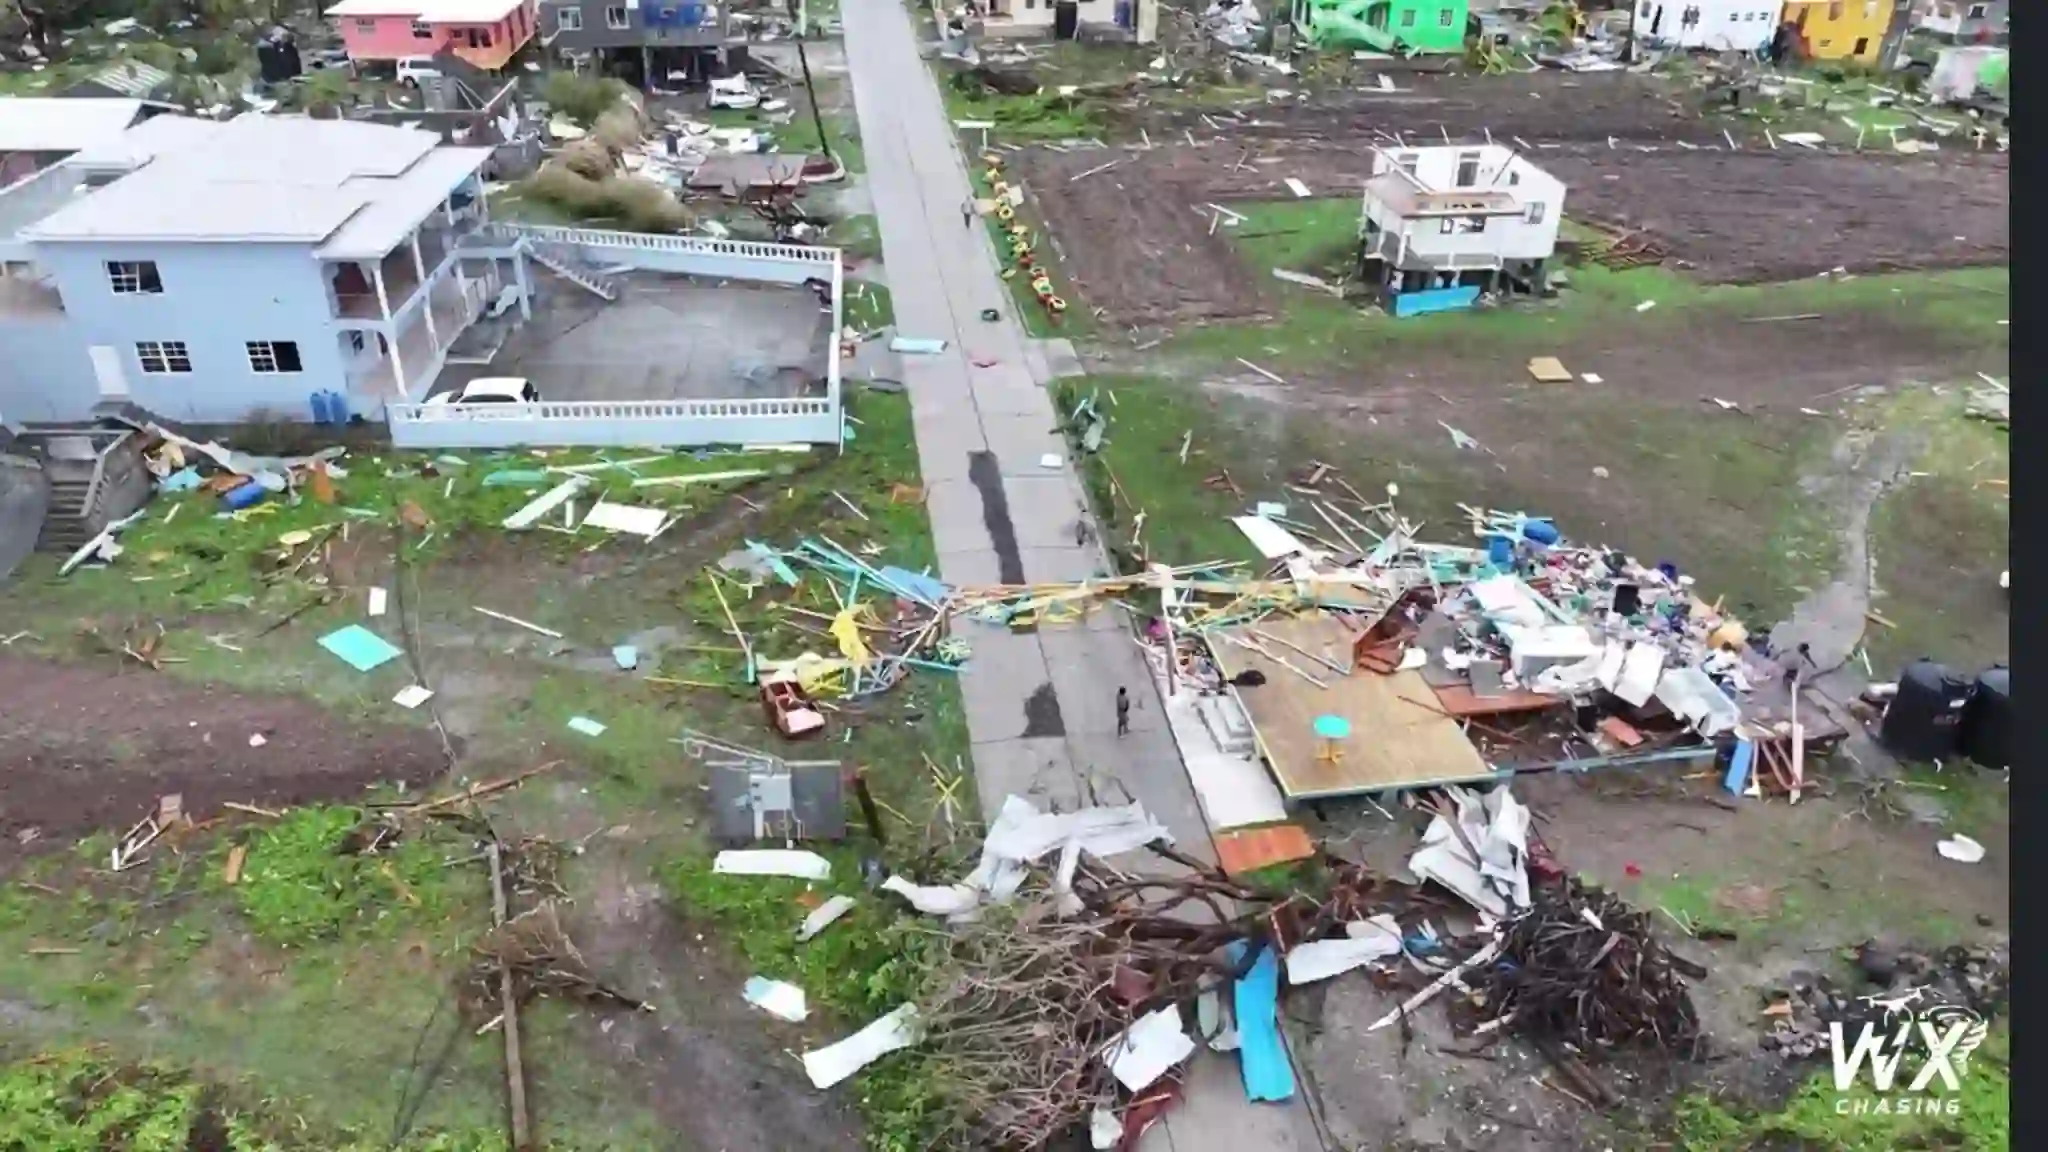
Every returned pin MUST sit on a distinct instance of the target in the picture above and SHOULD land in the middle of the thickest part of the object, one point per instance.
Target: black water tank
(1986, 734)
(1925, 717)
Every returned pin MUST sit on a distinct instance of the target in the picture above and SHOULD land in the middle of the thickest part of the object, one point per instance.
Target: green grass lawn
(359, 956)
(1747, 536)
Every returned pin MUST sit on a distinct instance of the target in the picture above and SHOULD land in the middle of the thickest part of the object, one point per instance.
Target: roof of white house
(146, 141)
(354, 189)
(59, 124)
(430, 11)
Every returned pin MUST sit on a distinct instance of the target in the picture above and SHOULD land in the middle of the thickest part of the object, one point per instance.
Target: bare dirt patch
(1759, 216)
(1137, 240)
(89, 748)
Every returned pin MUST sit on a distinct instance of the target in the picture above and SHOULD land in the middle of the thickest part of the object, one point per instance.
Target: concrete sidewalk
(1040, 707)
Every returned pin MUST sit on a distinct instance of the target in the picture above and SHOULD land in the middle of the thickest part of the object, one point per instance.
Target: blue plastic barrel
(1500, 551)
(242, 496)
(1540, 531)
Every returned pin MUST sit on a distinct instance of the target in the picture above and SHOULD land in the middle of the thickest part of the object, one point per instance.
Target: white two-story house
(1443, 223)
(258, 268)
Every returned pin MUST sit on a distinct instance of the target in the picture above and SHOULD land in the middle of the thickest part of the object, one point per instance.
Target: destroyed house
(256, 268)
(1441, 224)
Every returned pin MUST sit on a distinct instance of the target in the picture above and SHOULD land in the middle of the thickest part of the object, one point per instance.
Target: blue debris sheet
(1261, 1056)
(360, 648)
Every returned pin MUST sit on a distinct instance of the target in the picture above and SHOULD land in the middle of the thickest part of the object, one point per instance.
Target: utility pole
(796, 12)
(1628, 46)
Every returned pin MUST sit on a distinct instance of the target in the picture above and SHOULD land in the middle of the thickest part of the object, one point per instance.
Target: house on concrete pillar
(1441, 224)
(651, 44)
(272, 268)
(484, 34)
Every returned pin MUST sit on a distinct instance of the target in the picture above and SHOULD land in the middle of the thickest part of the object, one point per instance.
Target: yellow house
(1840, 29)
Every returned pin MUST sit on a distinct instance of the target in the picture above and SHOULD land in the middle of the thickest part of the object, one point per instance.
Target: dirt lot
(1136, 239)
(90, 748)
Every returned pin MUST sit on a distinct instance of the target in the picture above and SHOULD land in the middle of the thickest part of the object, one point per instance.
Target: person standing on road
(967, 213)
(1123, 711)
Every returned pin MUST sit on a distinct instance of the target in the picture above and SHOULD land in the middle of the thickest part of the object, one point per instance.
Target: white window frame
(164, 357)
(1977, 12)
(1408, 18)
(421, 30)
(624, 21)
(366, 25)
(127, 277)
(263, 358)
(1443, 18)
(1535, 213)
(568, 19)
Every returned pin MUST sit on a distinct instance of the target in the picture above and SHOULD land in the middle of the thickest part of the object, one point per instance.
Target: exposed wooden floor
(1394, 743)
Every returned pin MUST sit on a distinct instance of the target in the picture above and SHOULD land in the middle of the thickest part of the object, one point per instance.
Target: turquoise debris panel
(1435, 300)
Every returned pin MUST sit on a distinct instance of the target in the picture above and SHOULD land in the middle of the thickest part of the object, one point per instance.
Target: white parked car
(483, 398)
(413, 69)
(734, 92)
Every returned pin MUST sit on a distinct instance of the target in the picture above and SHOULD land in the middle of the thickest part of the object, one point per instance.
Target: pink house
(485, 33)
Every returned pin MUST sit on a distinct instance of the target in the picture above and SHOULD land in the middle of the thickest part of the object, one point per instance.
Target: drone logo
(1947, 1032)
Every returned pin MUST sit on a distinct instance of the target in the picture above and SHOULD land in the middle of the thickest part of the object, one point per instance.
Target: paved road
(1040, 707)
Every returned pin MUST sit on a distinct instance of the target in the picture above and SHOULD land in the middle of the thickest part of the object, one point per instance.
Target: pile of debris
(1583, 967)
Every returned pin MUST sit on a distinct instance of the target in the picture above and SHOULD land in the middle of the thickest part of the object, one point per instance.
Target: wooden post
(515, 1072)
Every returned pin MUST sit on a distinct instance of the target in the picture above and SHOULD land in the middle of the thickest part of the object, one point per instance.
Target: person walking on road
(967, 213)
(1123, 711)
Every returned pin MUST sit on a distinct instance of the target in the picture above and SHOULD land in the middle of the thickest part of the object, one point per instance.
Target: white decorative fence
(650, 423)
(626, 423)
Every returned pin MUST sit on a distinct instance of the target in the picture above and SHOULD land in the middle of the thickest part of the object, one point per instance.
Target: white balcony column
(525, 283)
(383, 300)
(419, 265)
(397, 366)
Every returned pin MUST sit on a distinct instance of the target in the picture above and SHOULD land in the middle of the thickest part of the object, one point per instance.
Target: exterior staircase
(95, 476)
(568, 263)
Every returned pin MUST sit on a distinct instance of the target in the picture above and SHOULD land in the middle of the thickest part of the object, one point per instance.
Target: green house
(1410, 27)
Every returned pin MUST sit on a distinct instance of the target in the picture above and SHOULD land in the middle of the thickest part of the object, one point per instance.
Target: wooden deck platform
(1399, 737)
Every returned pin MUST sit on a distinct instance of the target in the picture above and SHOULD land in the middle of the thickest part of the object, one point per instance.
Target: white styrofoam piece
(1269, 538)
(638, 519)
(1372, 940)
(772, 862)
(1148, 1048)
(835, 1062)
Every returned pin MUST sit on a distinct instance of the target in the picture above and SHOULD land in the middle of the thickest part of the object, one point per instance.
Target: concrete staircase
(69, 522)
(568, 263)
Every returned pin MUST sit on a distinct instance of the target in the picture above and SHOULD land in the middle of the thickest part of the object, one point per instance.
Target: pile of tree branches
(542, 960)
(1583, 966)
(1018, 1016)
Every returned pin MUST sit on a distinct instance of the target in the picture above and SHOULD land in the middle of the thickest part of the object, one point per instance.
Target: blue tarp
(929, 590)
(1261, 1056)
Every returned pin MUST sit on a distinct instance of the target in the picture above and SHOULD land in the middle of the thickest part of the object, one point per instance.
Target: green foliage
(299, 888)
(581, 98)
(80, 1101)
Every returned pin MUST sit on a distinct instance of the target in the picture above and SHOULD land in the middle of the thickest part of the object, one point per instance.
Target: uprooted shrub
(636, 203)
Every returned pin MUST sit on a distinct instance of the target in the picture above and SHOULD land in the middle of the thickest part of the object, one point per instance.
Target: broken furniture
(758, 795)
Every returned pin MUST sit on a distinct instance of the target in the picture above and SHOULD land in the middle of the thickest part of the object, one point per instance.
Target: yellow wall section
(1841, 29)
